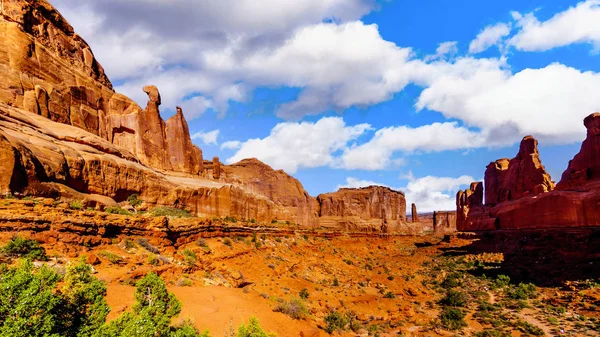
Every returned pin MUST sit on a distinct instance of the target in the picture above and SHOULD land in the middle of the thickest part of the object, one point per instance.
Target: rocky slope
(64, 132)
(521, 196)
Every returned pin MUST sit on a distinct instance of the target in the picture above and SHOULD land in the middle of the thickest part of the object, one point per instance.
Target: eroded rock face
(183, 155)
(444, 222)
(414, 214)
(524, 195)
(286, 191)
(373, 208)
(522, 176)
(585, 166)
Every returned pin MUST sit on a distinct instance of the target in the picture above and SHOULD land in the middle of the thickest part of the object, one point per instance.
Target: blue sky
(419, 96)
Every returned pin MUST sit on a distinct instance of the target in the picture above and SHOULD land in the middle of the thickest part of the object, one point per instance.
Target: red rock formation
(216, 168)
(574, 203)
(585, 166)
(183, 155)
(468, 204)
(366, 209)
(414, 214)
(260, 179)
(522, 176)
(444, 222)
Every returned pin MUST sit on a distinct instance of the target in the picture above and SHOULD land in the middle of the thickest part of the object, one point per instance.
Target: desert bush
(492, 333)
(295, 308)
(253, 329)
(522, 292)
(147, 245)
(231, 219)
(190, 258)
(25, 248)
(530, 329)
(170, 212)
(336, 282)
(76, 204)
(201, 243)
(453, 280)
(453, 319)
(117, 210)
(304, 294)
(454, 298)
(134, 200)
(111, 257)
(501, 281)
(389, 294)
(335, 321)
(227, 242)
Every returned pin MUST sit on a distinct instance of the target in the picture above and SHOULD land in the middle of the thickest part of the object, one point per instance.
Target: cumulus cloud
(488, 37)
(352, 182)
(291, 145)
(433, 193)
(444, 49)
(231, 145)
(195, 106)
(377, 153)
(429, 193)
(207, 138)
(578, 24)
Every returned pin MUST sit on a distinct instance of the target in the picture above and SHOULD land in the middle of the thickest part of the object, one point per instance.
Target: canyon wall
(520, 194)
(373, 209)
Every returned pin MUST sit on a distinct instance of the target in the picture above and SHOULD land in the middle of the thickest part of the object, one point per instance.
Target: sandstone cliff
(524, 198)
(374, 209)
(522, 176)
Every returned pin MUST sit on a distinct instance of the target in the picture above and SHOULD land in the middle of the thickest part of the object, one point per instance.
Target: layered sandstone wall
(444, 222)
(373, 208)
(521, 195)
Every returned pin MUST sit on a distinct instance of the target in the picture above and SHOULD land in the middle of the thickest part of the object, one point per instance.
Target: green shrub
(530, 329)
(454, 299)
(304, 294)
(231, 219)
(227, 242)
(453, 280)
(76, 204)
(453, 319)
(336, 282)
(501, 281)
(170, 212)
(111, 257)
(492, 333)
(189, 257)
(274, 221)
(116, 210)
(295, 308)
(389, 294)
(253, 329)
(25, 248)
(134, 200)
(522, 292)
(335, 321)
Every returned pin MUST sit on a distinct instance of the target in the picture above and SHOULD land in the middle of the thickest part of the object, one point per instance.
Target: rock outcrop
(444, 222)
(585, 166)
(522, 176)
(521, 195)
(414, 214)
(183, 155)
(370, 209)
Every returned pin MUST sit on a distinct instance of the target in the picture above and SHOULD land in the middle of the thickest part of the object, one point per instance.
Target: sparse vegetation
(111, 257)
(117, 210)
(134, 200)
(190, 258)
(76, 205)
(335, 321)
(20, 247)
(453, 319)
(170, 212)
(147, 245)
(304, 294)
(295, 308)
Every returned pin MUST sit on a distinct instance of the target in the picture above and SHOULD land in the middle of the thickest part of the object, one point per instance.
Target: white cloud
(443, 50)
(231, 145)
(432, 193)
(208, 138)
(377, 153)
(429, 193)
(291, 146)
(352, 182)
(488, 37)
(195, 106)
(549, 103)
(578, 24)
